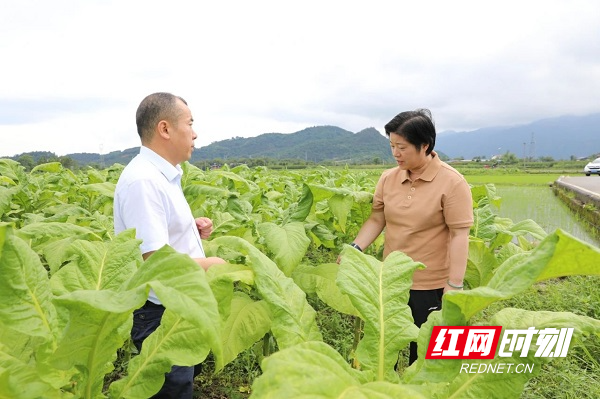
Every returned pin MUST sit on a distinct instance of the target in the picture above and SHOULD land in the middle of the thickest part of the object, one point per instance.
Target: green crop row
(69, 287)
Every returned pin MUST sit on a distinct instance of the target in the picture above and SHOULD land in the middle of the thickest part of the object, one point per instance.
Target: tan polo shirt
(418, 216)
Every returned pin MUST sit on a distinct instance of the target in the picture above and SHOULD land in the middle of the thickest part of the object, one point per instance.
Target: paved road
(589, 183)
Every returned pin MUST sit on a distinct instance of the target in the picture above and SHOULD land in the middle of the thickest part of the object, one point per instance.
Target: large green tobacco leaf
(41, 234)
(6, 195)
(18, 380)
(241, 210)
(523, 319)
(245, 320)
(559, 254)
(320, 235)
(569, 256)
(340, 206)
(189, 329)
(12, 169)
(485, 194)
(96, 265)
(435, 374)
(201, 189)
(483, 223)
(443, 377)
(315, 370)
(182, 287)
(175, 341)
(100, 322)
(293, 318)
(238, 181)
(288, 244)
(105, 188)
(481, 263)
(52, 167)
(248, 322)
(221, 280)
(380, 291)
(25, 297)
(520, 229)
(304, 205)
(321, 280)
(321, 192)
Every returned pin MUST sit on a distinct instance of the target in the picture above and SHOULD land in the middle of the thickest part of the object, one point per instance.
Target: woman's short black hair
(416, 127)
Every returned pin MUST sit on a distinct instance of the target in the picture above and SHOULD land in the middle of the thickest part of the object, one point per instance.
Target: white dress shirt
(148, 197)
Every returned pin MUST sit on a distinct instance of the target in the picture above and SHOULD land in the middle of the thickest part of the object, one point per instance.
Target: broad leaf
(304, 205)
(288, 244)
(380, 291)
(315, 370)
(248, 322)
(321, 280)
(25, 297)
(18, 380)
(181, 286)
(100, 322)
(98, 265)
(340, 206)
(293, 318)
(559, 254)
(175, 342)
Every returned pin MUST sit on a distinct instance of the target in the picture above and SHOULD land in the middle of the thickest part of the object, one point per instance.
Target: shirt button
(412, 189)
(409, 197)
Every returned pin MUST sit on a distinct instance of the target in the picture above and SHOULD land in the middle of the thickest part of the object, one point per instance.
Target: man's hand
(205, 227)
(207, 263)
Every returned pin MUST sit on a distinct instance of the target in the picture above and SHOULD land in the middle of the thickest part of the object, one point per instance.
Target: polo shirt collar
(169, 171)
(430, 172)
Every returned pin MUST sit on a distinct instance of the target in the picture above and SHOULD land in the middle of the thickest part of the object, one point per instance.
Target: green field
(282, 319)
(521, 179)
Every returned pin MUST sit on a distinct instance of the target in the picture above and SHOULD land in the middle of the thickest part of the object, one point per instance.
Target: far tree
(26, 161)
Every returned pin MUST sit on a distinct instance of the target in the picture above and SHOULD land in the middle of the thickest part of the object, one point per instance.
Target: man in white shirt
(149, 198)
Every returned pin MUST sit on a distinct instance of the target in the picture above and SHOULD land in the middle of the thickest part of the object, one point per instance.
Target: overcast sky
(72, 73)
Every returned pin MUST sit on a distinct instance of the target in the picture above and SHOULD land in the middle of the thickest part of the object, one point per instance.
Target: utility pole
(524, 154)
(101, 156)
(532, 147)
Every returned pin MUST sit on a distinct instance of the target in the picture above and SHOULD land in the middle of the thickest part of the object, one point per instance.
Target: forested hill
(316, 144)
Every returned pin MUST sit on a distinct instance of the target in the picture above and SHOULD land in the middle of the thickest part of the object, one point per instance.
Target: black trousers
(179, 382)
(421, 303)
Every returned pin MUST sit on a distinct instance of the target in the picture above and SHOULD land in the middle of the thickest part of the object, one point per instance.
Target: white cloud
(248, 68)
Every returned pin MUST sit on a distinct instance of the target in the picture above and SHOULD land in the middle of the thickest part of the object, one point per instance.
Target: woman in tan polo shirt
(426, 208)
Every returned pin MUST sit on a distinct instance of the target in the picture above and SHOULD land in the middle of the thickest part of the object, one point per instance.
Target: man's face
(182, 135)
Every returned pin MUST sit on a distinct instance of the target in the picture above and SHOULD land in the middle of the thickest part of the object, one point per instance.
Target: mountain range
(560, 138)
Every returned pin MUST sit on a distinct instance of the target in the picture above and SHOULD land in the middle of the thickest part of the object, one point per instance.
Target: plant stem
(357, 336)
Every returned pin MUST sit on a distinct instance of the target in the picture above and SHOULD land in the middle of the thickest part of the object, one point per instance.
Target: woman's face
(407, 156)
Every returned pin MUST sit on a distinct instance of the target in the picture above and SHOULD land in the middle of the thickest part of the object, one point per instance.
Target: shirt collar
(430, 172)
(169, 171)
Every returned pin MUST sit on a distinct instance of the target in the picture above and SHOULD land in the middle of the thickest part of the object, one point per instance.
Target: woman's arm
(370, 230)
(459, 252)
